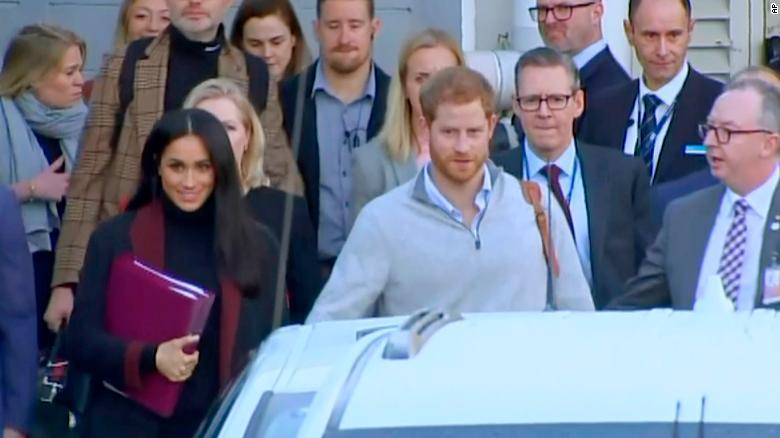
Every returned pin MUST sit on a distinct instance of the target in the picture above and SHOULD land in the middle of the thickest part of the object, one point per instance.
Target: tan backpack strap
(533, 195)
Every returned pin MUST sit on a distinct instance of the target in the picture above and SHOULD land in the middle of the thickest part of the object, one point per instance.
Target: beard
(347, 63)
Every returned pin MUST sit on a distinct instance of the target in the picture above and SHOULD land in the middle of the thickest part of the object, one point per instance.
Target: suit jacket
(603, 71)
(669, 275)
(303, 272)
(617, 197)
(305, 144)
(608, 116)
(375, 172)
(667, 192)
(18, 341)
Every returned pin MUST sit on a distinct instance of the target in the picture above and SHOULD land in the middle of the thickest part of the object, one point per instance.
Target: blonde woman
(401, 149)
(224, 100)
(41, 118)
(139, 19)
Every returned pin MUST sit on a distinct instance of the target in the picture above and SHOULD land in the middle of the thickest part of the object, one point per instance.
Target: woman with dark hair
(189, 220)
(270, 30)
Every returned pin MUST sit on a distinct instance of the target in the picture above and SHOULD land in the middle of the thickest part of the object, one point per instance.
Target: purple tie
(730, 269)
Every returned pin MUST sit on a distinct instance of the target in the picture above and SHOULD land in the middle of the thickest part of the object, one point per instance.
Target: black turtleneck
(190, 63)
(189, 255)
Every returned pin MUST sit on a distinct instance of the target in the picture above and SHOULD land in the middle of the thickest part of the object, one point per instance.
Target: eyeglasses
(723, 135)
(534, 101)
(560, 12)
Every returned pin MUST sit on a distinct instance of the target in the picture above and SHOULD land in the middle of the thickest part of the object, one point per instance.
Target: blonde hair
(33, 53)
(397, 131)
(251, 166)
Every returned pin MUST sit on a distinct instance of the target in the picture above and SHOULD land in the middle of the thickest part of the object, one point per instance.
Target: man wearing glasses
(574, 27)
(727, 234)
(605, 195)
(655, 117)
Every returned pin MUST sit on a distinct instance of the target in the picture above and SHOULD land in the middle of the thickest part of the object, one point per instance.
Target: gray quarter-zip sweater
(405, 253)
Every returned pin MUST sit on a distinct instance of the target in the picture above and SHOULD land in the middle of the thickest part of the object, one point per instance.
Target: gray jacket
(375, 172)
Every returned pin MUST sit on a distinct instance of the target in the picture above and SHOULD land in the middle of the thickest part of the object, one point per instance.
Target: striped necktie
(733, 257)
(647, 130)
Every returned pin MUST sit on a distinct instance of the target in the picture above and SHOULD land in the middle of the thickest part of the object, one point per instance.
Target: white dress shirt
(577, 206)
(668, 94)
(588, 53)
(759, 201)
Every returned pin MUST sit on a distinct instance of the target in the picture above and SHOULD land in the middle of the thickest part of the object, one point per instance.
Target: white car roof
(530, 368)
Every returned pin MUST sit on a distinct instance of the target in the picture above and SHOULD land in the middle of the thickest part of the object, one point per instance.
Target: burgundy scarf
(147, 237)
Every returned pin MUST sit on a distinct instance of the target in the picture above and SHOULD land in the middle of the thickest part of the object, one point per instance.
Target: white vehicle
(558, 374)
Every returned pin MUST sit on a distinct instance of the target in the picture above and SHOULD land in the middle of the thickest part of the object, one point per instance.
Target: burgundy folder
(146, 305)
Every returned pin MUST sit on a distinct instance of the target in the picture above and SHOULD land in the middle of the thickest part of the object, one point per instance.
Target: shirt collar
(439, 199)
(759, 199)
(565, 162)
(668, 93)
(321, 82)
(589, 53)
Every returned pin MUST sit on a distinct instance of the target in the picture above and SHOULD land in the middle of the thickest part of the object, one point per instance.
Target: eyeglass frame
(545, 98)
(539, 14)
(704, 129)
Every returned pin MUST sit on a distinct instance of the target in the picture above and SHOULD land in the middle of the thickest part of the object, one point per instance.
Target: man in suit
(729, 232)
(335, 106)
(192, 49)
(575, 29)
(604, 194)
(18, 346)
(665, 193)
(656, 117)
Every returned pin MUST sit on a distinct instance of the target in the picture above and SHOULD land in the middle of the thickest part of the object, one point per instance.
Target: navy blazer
(603, 71)
(18, 341)
(620, 222)
(306, 145)
(608, 116)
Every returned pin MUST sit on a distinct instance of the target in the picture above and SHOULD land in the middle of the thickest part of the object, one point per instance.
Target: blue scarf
(21, 157)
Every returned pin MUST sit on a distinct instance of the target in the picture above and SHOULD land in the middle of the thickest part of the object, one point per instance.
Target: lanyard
(658, 127)
(571, 183)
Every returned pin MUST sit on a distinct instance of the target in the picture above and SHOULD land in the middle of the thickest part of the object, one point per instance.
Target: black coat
(608, 117)
(302, 274)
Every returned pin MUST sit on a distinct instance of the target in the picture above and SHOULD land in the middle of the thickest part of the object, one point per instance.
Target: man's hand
(59, 308)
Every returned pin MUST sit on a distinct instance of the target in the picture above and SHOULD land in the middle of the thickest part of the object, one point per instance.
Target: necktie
(730, 268)
(553, 176)
(647, 130)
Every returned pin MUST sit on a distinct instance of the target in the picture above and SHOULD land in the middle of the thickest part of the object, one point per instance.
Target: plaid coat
(105, 178)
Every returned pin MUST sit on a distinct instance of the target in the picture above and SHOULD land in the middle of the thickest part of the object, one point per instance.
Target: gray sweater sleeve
(571, 290)
(359, 276)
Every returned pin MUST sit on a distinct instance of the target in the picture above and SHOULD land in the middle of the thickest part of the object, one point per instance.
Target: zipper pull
(478, 244)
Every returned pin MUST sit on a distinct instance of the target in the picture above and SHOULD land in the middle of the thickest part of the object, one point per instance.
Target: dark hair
(301, 58)
(237, 245)
(547, 57)
(371, 8)
(633, 5)
(458, 85)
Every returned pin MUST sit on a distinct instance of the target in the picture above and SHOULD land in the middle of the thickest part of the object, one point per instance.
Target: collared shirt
(668, 94)
(759, 201)
(481, 200)
(341, 127)
(588, 53)
(577, 206)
